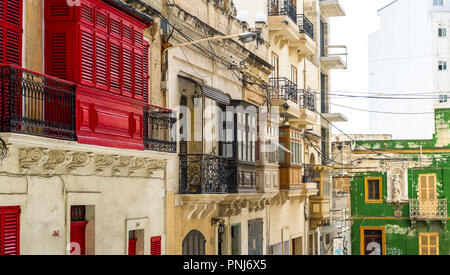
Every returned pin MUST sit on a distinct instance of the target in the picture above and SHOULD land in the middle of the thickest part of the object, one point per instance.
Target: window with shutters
(10, 230)
(373, 190)
(155, 245)
(427, 187)
(11, 32)
(428, 203)
(113, 55)
(428, 244)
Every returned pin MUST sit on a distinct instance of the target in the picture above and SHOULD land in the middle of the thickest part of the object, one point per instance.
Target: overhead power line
(382, 112)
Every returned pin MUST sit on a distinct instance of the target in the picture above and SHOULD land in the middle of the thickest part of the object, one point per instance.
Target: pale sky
(353, 30)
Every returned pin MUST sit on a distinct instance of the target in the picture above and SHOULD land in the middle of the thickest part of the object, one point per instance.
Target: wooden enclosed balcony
(283, 19)
(331, 8)
(36, 104)
(428, 210)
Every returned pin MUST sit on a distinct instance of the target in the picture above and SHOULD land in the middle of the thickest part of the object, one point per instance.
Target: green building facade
(399, 194)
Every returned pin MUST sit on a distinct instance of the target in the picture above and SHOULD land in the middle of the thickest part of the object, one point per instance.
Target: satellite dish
(261, 17)
(242, 16)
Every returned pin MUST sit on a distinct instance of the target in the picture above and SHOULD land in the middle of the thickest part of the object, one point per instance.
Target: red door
(132, 247)
(78, 238)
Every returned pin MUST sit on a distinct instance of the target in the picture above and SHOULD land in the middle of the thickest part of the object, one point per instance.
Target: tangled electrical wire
(3, 149)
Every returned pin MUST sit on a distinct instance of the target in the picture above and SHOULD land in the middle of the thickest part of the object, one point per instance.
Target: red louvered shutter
(127, 76)
(57, 54)
(87, 13)
(101, 62)
(155, 245)
(138, 75)
(11, 32)
(132, 247)
(115, 57)
(87, 56)
(9, 230)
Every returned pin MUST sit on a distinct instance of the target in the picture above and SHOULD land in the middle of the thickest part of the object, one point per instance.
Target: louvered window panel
(14, 12)
(13, 40)
(114, 27)
(87, 57)
(101, 21)
(11, 32)
(127, 33)
(2, 43)
(138, 38)
(9, 230)
(139, 75)
(101, 64)
(58, 55)
(87, 14)
(155, 245)
(115, 58)
(127, 72)
(58, 9)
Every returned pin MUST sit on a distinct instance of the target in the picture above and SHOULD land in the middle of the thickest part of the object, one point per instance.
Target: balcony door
(274, 7)
(427, 195)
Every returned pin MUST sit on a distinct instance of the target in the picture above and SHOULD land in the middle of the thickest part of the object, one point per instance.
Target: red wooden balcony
(36, 104)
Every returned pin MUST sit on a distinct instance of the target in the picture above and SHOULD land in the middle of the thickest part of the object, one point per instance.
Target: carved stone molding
(30, 158)
(62, 162)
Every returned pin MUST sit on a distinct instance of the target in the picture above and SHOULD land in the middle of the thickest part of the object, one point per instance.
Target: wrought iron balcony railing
(305, 26)
(203, 174)
(307, 100)
(428, 209)
(36, 104)
(283, 7)
(159, 132)
(283, 88)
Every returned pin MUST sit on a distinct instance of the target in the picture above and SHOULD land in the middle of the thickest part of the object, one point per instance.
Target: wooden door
(373, 242)
(427, 195)
(236, 239)
(255, 237)
(78, 238)
(194, 243)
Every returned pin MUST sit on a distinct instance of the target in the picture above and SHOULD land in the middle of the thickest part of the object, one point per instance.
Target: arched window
(194, 243)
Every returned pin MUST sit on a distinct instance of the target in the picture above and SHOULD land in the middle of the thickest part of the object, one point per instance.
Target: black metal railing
(305, 26)
(159, 131)
(203, 174)
(307, 100)
(283, 88)
(283, 7)
(36, 104)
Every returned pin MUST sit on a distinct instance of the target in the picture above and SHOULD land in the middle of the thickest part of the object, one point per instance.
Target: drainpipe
(420, 158)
